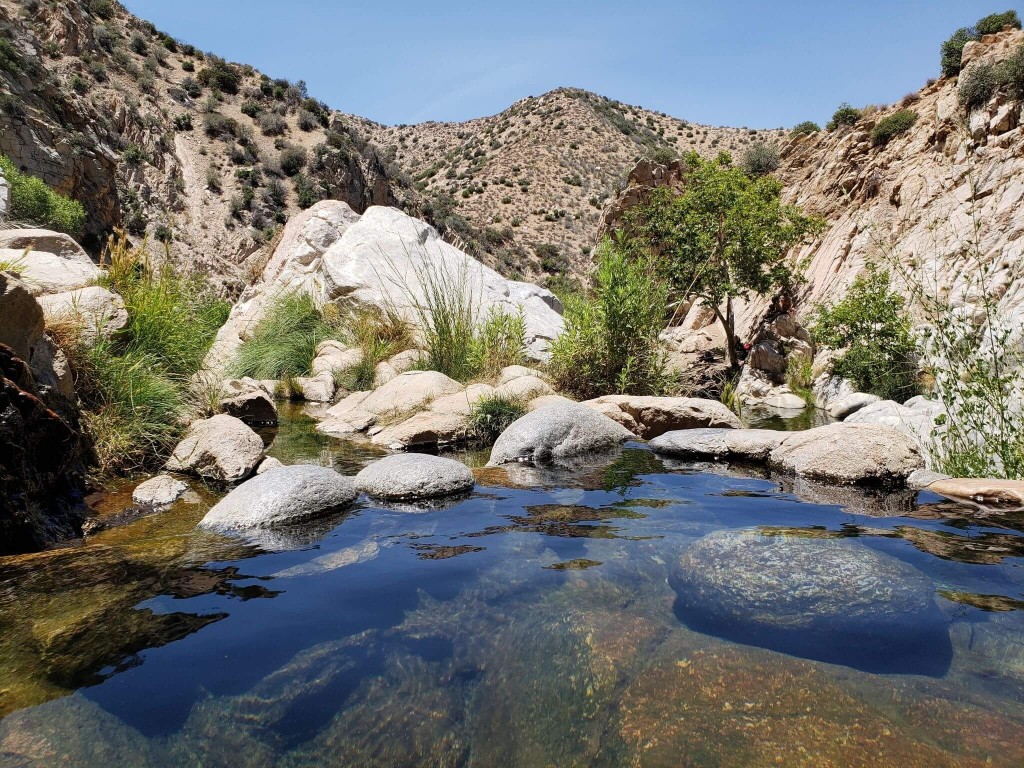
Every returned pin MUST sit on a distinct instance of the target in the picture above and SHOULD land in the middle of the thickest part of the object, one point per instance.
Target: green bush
(498, 342)
(251, 109)
(892, 126)
(610, 343)
(1010, 73)
(283, 344)
(804, 128)
(996, 21)
(293, 160)
(102, 8)
(844, 115)
(220, 75)
(272, 124)
(952, 50)
(760, 159)
(492, 415)
(977, 85)
(872, 328)
(307, 192)
(32, 201)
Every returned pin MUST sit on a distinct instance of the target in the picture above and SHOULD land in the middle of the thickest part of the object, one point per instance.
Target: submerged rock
(281, 496)
(556, 432)
(413, 476)
(219, 448)
(829, 599)
(159, 492)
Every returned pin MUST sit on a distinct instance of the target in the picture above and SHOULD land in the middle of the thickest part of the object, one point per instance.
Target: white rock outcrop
(383, 259)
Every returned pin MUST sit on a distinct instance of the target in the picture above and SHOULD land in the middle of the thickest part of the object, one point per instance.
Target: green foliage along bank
(610, 342)
(725, 236)
(871, 328)
(135, 386)
(33, 202)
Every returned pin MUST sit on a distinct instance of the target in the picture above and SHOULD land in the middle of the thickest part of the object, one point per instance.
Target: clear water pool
(552, 619)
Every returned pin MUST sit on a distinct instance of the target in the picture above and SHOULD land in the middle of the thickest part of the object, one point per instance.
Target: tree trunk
(729, 321)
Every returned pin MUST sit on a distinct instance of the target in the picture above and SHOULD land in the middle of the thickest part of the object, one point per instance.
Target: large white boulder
(48, 262)
(389, 259)
(848, 454)
(653, 416)
(280, 496)
(413, 476)
(97, 311)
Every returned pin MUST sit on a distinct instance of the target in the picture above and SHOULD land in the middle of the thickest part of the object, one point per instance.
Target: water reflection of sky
(563, 580)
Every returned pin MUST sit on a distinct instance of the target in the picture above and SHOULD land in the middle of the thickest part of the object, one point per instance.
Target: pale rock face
(653, 416)
(295, 265)
(410, 477)
(444, 421)
(47, 273)
(511, 372)
(758, 388)
(280, 496)
(383, 260)
(96, 310)
(220, 448)
(268, 464)
(49, 262)
(21, 318)
(334, 356)
(376, 260)
(159, 492)
(850, 404)
(524, 388)
(408, 391)
(318, 388)
(916, 418)
(5, 194)
(555, 433)
(829, 389)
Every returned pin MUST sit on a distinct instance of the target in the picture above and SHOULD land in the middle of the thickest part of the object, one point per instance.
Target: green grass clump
(135, 387)
(977, 85)
(492, 415)
(459, 343)
(283, 344)
(893, 125)
(610, 343)
(378, 334)
(32, 201)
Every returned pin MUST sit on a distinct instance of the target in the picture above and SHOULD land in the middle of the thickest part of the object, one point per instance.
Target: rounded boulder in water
(829, 599)
(414, 476)
(281, 496)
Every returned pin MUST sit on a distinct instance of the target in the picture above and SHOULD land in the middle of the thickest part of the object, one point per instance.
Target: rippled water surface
(631, 613)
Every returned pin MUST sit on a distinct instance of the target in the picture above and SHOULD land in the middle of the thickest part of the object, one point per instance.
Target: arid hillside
(159, 138)
(531, 182)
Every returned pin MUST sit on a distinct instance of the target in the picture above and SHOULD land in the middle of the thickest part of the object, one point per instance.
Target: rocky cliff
(945, 194)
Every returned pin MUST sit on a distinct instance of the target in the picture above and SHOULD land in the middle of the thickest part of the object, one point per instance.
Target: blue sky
(755, 63)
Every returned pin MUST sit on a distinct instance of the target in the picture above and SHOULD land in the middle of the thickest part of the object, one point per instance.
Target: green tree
(724, 237)
(872, 328)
